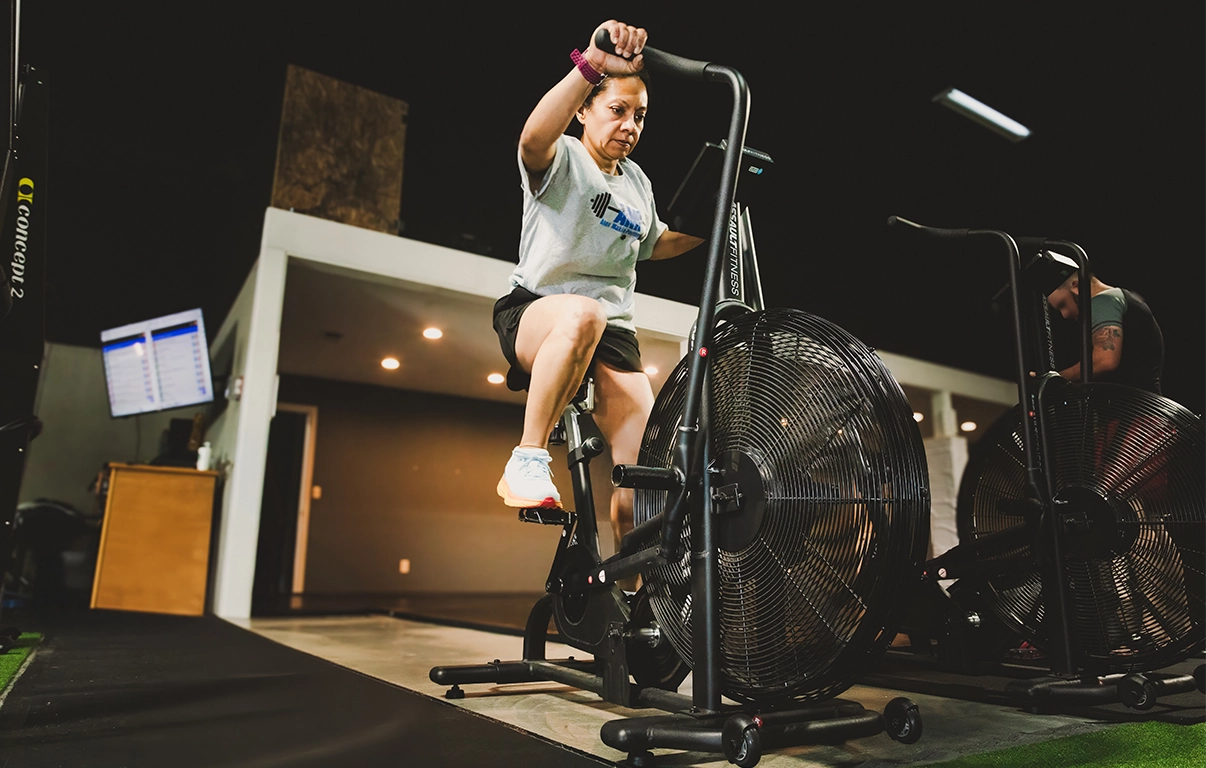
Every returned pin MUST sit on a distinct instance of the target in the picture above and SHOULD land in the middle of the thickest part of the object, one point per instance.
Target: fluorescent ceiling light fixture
(496, 378)
(955, 99)
(433, 333)
(968, 426)
(390, 364)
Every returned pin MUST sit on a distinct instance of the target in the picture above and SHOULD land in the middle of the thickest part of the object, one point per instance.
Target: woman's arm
(553, 113)
(671, 244)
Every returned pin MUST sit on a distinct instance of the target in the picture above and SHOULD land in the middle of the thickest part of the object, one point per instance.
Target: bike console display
(691, 209)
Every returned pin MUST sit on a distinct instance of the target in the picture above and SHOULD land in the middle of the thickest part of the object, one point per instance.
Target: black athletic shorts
(618, 348)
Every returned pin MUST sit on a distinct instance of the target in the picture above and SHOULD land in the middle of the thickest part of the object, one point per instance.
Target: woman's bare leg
(623, 402)
(556, 339)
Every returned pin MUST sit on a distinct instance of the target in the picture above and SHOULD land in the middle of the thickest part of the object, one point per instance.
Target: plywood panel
(154, 551)
(340, 152)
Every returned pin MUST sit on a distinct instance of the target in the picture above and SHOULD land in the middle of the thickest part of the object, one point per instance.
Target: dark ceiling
(164, 121)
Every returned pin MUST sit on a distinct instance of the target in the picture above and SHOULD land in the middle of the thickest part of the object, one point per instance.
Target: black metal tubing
(1062, 661)
(822, 730)
(617, 568)
(525, 671)
(559, 672)
(819, 725)
(497, 672)
(586, 529)
(689, 432)
(649, 478)
(641, 535)
(705, 592)
(1168, 684)
(670, 701)
(670, 731)
(1014, 268)
(535, 632)
(1039, 475)
(1084, 302)
(689, 459)
(751, 280)
(1052, 693)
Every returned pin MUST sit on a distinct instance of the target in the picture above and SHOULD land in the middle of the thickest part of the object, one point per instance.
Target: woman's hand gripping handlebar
(655, 60)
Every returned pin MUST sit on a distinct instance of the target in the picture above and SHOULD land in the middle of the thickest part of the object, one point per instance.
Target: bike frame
(731, 287)
(686, 478)
(1032, 390)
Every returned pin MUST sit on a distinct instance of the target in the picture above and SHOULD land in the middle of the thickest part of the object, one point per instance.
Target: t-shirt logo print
(626, 221)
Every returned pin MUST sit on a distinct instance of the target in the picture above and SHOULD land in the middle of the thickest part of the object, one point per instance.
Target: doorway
(280, 563)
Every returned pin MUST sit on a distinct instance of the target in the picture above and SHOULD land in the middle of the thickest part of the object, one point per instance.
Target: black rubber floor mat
(126, 689)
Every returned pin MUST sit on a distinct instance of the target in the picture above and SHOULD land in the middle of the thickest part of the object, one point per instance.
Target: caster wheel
(741, 741)
(1199, 677)
(642, 759)
(902, 721)
(1137, 692)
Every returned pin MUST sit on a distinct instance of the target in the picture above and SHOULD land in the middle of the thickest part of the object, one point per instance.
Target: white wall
(78, 435)
(240, 435)
(946, 458)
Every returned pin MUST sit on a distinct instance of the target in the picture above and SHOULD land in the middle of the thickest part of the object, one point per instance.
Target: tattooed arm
(1107, 352)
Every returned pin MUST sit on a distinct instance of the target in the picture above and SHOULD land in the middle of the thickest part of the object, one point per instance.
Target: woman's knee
(576, 319)
(582, 320)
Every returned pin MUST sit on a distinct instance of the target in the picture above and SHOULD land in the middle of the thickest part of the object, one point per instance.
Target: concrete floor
(402, 652)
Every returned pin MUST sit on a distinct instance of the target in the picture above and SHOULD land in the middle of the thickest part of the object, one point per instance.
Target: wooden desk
(154, 547)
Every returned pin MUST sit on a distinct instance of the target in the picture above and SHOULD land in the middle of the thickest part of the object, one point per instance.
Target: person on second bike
(588, 217)
(1118, 315)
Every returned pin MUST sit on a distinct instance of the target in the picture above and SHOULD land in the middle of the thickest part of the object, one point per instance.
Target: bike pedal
(546, 516)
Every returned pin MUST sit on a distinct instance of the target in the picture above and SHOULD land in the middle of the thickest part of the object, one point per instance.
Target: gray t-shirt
(584, 231)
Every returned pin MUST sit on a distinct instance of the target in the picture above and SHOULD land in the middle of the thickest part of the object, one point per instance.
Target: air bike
(1081, 516)
(780, 502)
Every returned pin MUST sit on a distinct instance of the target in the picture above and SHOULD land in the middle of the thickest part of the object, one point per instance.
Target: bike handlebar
(937, 233)
(658, 61)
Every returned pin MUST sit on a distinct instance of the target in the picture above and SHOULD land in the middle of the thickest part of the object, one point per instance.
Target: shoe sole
(504, 490)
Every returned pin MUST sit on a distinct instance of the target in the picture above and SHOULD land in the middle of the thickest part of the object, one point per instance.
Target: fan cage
(817, 593)
(1136, 581)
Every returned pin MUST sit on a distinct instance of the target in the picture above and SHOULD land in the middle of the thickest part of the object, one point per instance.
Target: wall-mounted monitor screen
(157, 364)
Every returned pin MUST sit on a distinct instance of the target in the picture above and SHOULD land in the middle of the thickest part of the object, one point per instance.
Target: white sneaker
(527, 481)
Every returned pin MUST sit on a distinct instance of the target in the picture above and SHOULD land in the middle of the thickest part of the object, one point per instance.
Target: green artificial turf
(1150, 745)
(11, 661)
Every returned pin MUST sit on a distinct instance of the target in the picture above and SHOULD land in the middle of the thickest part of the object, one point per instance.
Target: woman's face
(611, 125)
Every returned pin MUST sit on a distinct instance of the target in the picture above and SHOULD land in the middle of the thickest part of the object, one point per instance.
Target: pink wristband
(592, 76)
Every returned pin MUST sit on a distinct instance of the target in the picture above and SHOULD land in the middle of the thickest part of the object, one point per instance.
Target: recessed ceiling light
(390, 364)
(918, 416)
(433, 333)
(651, 370)
(968, 426)
(955, 99)
(496, 378)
